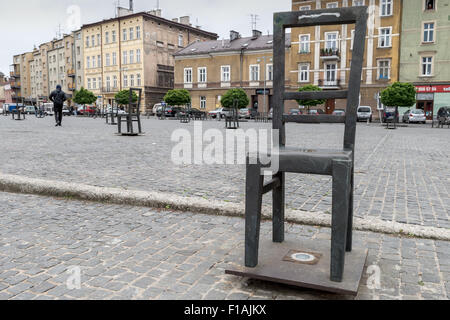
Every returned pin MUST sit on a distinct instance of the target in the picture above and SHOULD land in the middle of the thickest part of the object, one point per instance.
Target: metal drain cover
(303, 257)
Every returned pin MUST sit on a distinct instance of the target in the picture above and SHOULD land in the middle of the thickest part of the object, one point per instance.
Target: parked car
(316, 111)
(364, 113)
(173, 112)
(391, 114)
(30, 110)
(270, 115)
(245, 113)
(339, 112)
(196, 113)
(443, 115)
(414, 115)
(220, 113)
(295, 112)
(66, 112)
(85, 110)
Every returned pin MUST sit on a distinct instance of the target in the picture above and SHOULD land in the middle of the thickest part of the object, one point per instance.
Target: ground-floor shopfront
(431, 97)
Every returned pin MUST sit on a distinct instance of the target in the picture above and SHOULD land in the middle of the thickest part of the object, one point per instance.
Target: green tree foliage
(231, 95)
(310, 103)
(84, 97)
(399, 95)
(177, 97)
(123, 97)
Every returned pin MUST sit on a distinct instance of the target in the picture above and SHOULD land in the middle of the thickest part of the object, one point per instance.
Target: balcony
(330, 84)
(15, 85)
(330, 55)
(109, 90)
(71, 73)
(14, 74)
(71, 86)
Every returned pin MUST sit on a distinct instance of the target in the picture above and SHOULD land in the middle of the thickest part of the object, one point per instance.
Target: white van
(48, 109)
(364, 113)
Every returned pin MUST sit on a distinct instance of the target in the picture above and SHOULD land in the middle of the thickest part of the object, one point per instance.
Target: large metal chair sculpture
(337, 163)
(133, 114)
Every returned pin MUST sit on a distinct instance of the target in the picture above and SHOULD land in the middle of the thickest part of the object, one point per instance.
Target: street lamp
(265, 77)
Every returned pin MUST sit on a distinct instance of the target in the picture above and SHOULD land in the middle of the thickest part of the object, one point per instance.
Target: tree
(310, 103)
(231, 95)
(399, 95)
(84, 97)
(123, 97)
(177, 97)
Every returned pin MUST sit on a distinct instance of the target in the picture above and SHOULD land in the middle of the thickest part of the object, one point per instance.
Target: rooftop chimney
(131, 6)
(185, 20)
(256, 34)
(234, 35)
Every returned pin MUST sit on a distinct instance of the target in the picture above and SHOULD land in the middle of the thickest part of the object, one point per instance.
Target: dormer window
(430, 4)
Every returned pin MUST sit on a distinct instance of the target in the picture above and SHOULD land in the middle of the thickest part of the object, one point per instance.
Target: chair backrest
(338, 16)
(135, 107)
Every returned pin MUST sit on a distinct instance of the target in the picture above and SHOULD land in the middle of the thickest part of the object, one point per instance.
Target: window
(108, 83)
(430, 4)
(107, 37)
(108, 59)
(330, 74)
(114, 58)
(93, 41)
(254, 72)
(202, 75)
(138, 79)
(138, 32)
(303, 72)
(385, 8)
(113, 36)
(131, 33)
(352, 41)
(132, 80)
(138, 55)
(94, 83)
(269, 72)
(99, 41)
(305, 8)
(358, 3)
(428, 32)
(202, 102)
(125, 57)
(114, 81)
(78, 51)
(89, 83)
(384, 41)
(131, 56)
(87, 42)
(331, 40)
(384, 69)
(188, 75)
(180, 40)
(124, 35)
(427, 66)
(125, 80)
(304, 43)
(225, 73)
(99, 61)
(331, 5)
(88, 62)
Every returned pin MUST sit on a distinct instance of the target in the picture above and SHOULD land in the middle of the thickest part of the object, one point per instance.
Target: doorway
(330, 106)
(427, 107)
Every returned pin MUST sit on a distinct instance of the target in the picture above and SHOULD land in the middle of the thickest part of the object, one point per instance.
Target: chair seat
(313, 161)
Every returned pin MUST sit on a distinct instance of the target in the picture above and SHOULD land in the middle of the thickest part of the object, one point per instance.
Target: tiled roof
(248, 43)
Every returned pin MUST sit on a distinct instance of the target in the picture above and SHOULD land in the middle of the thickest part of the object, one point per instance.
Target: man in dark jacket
(58, 97)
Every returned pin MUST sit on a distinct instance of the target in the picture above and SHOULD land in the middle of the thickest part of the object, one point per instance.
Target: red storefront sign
(433, 89)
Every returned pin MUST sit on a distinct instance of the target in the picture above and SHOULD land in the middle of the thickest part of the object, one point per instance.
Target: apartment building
(135, 50)
(78, 59)
(425, 52)
(208, 69)
(321, 55)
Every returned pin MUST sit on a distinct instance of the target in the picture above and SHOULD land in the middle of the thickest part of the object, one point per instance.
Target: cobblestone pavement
(135, 253)
(401, 175)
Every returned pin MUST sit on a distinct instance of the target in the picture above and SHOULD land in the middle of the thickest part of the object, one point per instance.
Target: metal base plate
(275, 266)
(129, 134)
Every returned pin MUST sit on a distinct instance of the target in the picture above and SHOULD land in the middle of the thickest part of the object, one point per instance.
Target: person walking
(58, 97)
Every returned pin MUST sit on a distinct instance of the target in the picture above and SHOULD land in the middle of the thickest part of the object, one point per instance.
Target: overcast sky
(26, 23)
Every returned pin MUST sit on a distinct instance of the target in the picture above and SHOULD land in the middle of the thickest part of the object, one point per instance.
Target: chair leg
(253, 203)
(341, 187)
(278, 195)
(349, 245)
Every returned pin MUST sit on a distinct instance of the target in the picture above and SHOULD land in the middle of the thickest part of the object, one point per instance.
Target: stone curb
(19, 184)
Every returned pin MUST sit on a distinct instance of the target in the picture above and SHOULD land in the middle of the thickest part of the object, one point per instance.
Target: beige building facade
(322, 55)
(208, 70)
(136, 51)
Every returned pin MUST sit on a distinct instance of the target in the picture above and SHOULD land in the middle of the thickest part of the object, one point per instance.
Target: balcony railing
(72, 86)
(14, 74)
(329, 54)
(15, 85)
(71, 72)
(329, 84)
(109, 90)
